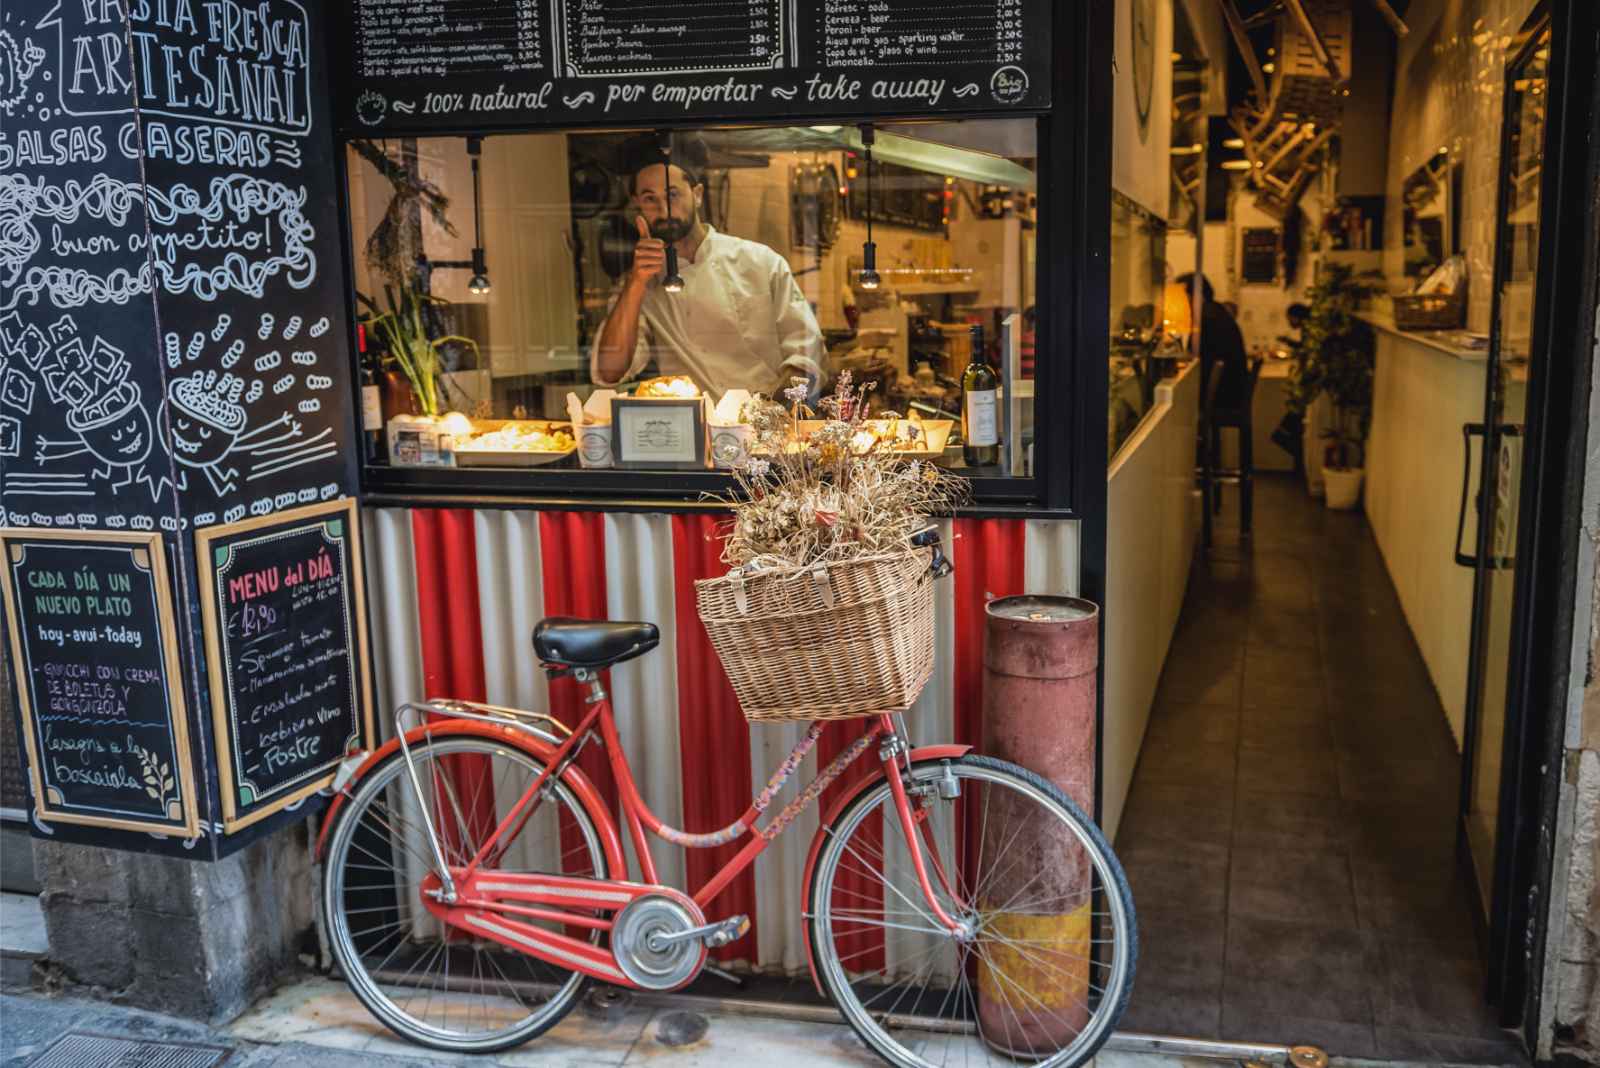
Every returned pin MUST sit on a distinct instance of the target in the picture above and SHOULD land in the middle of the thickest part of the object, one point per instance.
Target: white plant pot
(1342, 486)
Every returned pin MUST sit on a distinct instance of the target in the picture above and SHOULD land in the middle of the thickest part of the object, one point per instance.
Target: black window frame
(1071, 293)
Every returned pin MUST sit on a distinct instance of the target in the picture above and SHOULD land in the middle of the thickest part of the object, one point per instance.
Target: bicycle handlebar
(928, 538)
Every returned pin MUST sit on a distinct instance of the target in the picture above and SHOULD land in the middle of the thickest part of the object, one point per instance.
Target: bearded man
(740, 320)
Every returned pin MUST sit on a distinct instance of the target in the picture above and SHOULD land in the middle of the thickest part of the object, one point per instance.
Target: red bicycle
(954, 906)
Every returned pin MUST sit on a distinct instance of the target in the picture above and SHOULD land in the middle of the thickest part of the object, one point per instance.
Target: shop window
(1145, 340)
(492, 276)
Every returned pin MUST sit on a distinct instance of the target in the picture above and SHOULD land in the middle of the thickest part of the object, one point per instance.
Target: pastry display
(668, 387)
(513, 443)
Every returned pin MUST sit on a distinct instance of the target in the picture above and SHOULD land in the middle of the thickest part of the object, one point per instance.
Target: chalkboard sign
(437, 64)
(283, 604)
(172, 320)
(94, 653)
(1259, 255)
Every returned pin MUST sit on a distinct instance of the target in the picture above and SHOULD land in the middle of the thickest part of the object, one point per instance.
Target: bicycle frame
(543, 897)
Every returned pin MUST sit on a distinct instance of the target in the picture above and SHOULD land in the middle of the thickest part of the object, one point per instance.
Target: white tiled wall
(1449, 79)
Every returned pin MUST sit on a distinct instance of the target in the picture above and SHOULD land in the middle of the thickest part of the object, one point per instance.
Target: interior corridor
(1290, 830)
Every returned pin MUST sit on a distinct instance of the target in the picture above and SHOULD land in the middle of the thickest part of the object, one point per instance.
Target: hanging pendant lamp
(479, 283)
(673, 282)
(869, 278)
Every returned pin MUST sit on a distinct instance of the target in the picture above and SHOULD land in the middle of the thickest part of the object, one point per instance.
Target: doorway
(1334, 824)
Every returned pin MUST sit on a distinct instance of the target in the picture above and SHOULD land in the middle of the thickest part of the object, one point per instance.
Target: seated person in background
(740, 321)
(1222, 350)
(1288, 435)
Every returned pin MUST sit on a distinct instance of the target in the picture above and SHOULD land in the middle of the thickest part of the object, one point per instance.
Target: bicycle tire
(833, 974)
(367, 987)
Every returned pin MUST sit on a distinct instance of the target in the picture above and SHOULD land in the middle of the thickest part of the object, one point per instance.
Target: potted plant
(403, 331)
(1339, 357)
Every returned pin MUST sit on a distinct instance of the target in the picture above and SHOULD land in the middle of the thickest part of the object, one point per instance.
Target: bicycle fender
(856, 789)
(576, 780)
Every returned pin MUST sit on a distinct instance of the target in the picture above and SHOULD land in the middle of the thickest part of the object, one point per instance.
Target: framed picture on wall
(1259, 255)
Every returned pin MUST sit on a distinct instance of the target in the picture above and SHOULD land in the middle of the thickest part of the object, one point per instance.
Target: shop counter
(1152, 523)
(1424, 390)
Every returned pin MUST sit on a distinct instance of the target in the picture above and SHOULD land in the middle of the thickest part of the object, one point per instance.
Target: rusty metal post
(1039, 664)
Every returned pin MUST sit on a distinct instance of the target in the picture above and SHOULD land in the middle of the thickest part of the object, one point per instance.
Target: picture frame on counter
(659, 434)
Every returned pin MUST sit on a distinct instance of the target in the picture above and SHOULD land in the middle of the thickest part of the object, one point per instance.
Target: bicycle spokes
(1039, 942)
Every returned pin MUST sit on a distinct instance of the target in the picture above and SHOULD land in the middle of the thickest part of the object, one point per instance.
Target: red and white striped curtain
(455, 595)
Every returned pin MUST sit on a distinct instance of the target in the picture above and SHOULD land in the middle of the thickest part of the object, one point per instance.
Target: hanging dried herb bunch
(839, 493)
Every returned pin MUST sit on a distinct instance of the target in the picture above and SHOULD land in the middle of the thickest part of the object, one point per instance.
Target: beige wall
(1139, 157)
(1152, 519)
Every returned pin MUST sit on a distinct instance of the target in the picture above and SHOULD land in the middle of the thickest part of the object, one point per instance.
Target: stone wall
(1574, 945)
(195, 939)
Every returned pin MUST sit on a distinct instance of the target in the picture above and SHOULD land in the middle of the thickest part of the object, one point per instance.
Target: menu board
(399, 39)
(283, 605)
(94, 653)
(434, 64)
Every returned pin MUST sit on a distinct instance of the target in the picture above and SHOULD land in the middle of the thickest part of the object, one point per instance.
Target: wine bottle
(980, 408)
(371, 400)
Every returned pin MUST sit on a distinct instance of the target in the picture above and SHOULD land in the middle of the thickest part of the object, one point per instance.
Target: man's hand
(649, 256)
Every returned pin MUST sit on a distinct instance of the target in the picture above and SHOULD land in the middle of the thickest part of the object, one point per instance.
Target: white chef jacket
(740, 322)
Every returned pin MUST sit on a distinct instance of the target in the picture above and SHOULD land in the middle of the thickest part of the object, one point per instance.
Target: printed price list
(892, 33)
(407, 39)
(631, 37)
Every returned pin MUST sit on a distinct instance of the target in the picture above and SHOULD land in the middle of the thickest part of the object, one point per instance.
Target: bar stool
(1213, 421)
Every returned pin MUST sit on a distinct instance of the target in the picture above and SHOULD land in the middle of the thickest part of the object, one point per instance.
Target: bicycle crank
(661, 945)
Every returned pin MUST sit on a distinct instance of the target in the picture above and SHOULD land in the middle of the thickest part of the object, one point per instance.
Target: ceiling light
(1233, 142)
(1236, 165)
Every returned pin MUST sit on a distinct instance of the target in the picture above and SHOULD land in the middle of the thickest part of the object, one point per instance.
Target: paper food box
(730, 434)
(591, 425)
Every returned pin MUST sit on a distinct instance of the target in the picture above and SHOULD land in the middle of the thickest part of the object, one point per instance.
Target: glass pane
(1516, 278)
(542, 308)
(1144, 329)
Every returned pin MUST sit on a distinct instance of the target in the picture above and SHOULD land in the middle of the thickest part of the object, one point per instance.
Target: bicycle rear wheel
(437, 986)
(1044, 967)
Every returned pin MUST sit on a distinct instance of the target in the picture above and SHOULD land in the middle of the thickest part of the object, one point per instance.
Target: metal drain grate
(78, 1050)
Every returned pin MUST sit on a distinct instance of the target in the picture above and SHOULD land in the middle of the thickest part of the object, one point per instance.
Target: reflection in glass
(1145, 317)
(1515, 277)
(769, 226)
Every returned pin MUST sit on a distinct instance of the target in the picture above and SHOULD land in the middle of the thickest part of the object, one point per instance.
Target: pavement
(313, 1020)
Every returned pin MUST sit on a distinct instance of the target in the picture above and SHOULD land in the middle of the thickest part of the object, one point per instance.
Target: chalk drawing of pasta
(209, 425)
(115, 430)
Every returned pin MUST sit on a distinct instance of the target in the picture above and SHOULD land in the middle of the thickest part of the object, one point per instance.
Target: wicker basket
(1431, 311)
(833, 641)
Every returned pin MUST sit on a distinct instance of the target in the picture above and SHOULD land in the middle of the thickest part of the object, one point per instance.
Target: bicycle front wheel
(435, 985)
(1043, 966)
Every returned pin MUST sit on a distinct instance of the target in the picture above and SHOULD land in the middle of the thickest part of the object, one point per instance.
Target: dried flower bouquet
(840, 493)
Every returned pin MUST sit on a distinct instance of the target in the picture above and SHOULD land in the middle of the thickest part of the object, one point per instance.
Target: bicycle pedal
(729, 930)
